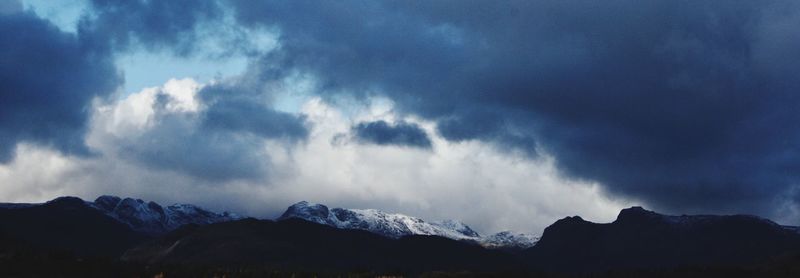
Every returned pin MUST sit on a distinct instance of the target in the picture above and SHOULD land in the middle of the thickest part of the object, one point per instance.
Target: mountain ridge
(154, 219)
(395, 225)
(637, 239)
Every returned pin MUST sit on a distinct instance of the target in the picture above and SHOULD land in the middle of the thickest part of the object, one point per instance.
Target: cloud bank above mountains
(473, 181)
(530, 109)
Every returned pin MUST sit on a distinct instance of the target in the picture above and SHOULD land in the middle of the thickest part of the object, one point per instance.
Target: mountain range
(395, 225)
(132, 233)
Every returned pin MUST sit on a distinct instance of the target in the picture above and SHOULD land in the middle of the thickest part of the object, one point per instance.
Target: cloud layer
(472, 181)
(683, 104)
(520, 108)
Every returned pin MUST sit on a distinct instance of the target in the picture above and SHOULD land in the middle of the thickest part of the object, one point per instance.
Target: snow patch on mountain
(152, 218)
(457, 226)
(508, 239)
(394, 225)
(391, 225)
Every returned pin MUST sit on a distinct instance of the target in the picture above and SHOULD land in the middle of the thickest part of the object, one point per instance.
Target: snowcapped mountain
(395, 225)
(387, 224)
(152, 218)
(508, 239)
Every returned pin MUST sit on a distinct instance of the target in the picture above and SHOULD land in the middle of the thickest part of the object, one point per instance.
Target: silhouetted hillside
(71, 237)
(67, 224)
(644, 239)
(295, 243)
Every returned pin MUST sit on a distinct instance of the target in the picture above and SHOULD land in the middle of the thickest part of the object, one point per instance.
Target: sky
(506, 115)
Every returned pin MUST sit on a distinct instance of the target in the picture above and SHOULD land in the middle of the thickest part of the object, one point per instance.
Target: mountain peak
(636, 214)
(509, 240)
(637, 209)
(570, 220)
(107, 202)
(565, 225)
(66, 201)
(107, 197)
(316, 213)
(458, 226)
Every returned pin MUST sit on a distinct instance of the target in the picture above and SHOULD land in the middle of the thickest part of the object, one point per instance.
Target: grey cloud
(240, 107)
(157, 25)
(179, 143)
(47, 79)
(400, 134)
(224, 140)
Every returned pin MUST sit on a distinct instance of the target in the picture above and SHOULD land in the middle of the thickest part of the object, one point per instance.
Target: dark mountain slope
(295, 243)
(67, 224)
(645, 239)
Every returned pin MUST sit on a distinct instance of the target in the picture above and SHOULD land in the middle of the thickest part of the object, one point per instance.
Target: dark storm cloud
(687, 105)
(400, 134)
(47, 80)
(171, 25)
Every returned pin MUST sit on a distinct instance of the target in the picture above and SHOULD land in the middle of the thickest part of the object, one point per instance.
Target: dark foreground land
(60, 265)
(67, 238)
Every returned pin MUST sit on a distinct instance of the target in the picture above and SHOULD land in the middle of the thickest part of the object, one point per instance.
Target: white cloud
(36, 174)
(472, 181)
(183, 95)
